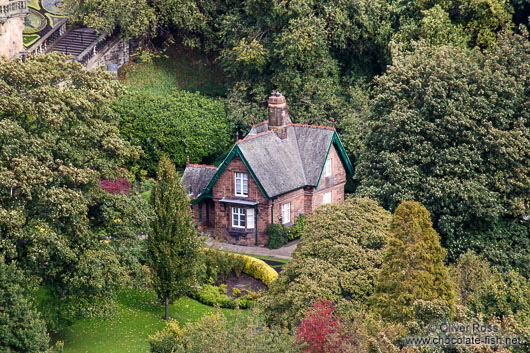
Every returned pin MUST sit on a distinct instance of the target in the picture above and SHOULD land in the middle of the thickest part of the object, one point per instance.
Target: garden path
(282, 253)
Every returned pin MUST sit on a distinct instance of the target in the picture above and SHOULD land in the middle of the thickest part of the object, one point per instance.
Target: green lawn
(179, 68)
(139, 316)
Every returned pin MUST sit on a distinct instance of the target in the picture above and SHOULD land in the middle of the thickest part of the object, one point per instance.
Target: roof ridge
(260, 123)
(313, 126)
(201, 166)
(300, 156)
(247, 138)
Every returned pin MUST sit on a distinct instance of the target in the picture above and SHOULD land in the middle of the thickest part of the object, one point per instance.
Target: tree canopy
(58, 137)
(413, 267)
(449, 127)
(173, 245)
(338, 259)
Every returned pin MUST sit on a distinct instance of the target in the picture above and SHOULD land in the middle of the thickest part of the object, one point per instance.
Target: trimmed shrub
(278, 235)
(252, 266)
(212, 295)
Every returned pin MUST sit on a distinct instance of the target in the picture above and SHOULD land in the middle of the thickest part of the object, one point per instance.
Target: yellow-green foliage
(413, 266)
(254, 267)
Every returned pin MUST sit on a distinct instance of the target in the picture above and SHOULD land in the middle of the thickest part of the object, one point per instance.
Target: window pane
(250, 218)
(245, 186)
(286, 213)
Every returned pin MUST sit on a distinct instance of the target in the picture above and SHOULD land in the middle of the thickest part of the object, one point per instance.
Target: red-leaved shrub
(321, 330)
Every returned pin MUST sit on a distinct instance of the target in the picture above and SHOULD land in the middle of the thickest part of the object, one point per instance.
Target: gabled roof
(282, 165)
(196, 177)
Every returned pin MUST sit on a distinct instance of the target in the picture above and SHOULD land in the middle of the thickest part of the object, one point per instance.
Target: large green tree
(58, 137)
(338, 259)
(174, 243)
(413, 266)
(449, 127)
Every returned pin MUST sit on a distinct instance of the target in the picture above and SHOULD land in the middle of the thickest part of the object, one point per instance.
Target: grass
(178, 68)
(139, 316)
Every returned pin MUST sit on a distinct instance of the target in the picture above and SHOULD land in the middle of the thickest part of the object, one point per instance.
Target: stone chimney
(277, 110)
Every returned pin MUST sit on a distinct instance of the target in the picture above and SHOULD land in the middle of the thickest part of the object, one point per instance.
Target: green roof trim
(342, 154)
(233, 153)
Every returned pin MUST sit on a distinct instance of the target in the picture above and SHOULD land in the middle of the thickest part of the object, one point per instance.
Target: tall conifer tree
(413, 266)
(173, 244)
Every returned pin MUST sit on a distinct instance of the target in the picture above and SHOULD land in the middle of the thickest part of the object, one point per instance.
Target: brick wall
(334, 183)
(225, 187)
(302, 201)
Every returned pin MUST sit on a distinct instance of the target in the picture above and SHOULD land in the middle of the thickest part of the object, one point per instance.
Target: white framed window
(327, 168)
(238, 217)
(327, 198)
(242, 184)
(286, 213)
(250, 218)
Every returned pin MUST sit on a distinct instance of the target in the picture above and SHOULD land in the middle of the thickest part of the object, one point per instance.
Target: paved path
(283, 253)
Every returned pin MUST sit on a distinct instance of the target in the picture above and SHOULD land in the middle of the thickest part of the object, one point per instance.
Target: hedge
(254, 267)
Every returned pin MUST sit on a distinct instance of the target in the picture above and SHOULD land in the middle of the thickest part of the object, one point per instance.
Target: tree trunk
(167, 309)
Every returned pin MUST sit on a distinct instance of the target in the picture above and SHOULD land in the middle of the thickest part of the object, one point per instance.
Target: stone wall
(118, 53)
(11, 43)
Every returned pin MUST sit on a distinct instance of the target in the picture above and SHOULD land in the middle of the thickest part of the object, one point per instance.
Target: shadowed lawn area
(139, 316)
(181, 69)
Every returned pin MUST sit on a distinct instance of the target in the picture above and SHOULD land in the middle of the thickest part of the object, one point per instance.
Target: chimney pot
(278, 111)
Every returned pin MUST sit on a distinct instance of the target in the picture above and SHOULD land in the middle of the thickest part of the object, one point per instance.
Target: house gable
(336, 147)
(221, 169)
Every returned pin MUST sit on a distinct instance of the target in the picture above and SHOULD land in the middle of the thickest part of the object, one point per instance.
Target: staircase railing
(49, 38)
(93, 49)
(12, 9)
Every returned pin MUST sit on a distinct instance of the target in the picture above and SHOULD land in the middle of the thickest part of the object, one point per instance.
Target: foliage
(216, 296)
(297, 230)
(250, 265)
(505, 244)
(178, 125)
(338, 259)
(21, 328)
(469, 275)
(413, 265)
(321, 330)
(504, 295)
(213, 296)
(461, 22)
(132, 18)
(278, 235)
(437, 136)
(173, 245)
(213, 333)
(58, 139)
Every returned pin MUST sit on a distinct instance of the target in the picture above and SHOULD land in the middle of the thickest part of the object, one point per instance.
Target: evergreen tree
(173, 244)
(21, 328)
(413, 265)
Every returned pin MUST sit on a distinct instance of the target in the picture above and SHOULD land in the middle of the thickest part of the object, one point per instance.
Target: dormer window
(327, 168)
(242, 184)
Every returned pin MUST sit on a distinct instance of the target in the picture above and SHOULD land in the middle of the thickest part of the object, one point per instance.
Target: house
(277, 172)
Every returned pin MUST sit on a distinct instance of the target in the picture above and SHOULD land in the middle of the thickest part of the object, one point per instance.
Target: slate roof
(196, 177)
(279, 165)
(291, 163)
